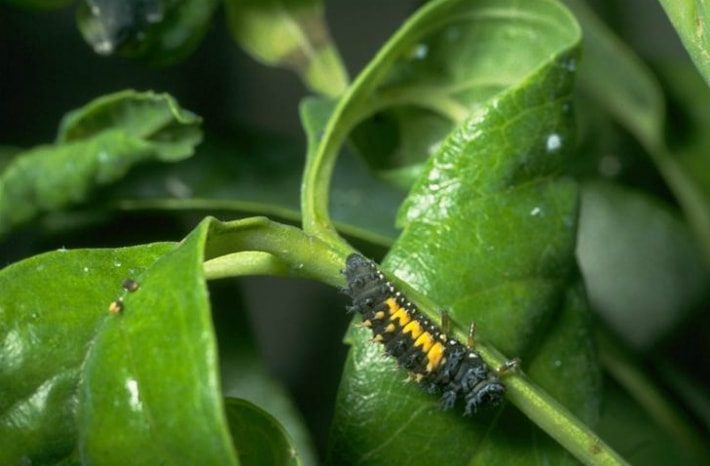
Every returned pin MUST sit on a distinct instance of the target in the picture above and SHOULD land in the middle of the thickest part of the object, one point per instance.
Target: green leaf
(96, 145)
(257, 174)
(290, 34)
(51, 308)
(156, 118)
(79, 381)
(260, 439)
(691, 20)
(489, 232)
(617, 79)
(642, 269)
(356, 197)
(161, 32)
(152, 370)
(434, 84)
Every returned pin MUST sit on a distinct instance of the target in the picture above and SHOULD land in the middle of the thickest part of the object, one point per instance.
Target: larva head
(365, 281)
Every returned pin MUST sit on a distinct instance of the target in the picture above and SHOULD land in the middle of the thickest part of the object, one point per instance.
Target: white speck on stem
(535, 211)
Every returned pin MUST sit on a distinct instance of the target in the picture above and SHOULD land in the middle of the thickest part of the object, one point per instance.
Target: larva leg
(445, 322)
(471, 335)
(508, 367)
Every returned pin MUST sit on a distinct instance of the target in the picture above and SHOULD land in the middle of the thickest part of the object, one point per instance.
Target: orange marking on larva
(377, 338)
(415, 328)
(403, 316)
(425, 340)
(435, 356)
(366, 323)
(392, 305)
(379, 315)
(390, 328)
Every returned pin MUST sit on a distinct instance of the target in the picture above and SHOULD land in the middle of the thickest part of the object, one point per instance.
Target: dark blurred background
(46, 69)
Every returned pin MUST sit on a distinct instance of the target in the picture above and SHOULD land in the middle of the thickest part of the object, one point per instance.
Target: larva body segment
(441, 364)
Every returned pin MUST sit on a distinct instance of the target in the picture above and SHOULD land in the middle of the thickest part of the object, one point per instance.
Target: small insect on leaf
(440, 364)
(130, 285)
(116, 307)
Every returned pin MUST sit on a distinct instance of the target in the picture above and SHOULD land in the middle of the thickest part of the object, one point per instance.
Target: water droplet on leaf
(421, 51)
(553, 143)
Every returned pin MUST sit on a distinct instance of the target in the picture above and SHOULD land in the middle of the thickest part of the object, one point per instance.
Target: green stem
(245, 264)
(352, 107)
(559, 423)
(359, 100)
(292, 252)
(211, 206)
(556, 420)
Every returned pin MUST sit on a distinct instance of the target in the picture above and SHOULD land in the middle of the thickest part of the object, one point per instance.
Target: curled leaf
(96, 145)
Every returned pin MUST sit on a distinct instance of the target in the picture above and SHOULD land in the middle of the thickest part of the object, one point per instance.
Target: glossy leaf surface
(51, 309)
(152, 370)
(489, 231)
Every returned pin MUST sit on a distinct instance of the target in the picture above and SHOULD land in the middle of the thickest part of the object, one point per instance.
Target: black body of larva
(439, 363)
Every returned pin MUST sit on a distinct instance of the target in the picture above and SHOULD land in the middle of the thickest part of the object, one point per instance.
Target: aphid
(116, 307)
(130, 285)
(439, 363)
